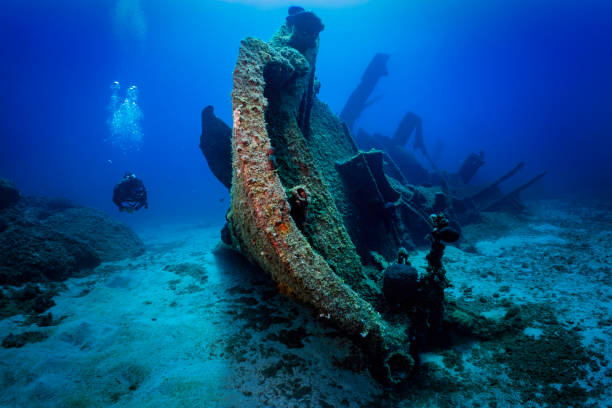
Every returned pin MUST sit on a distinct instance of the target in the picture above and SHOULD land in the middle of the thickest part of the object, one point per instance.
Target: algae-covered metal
(318, 264)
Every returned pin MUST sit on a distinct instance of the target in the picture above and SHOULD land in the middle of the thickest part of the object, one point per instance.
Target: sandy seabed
(182, 327)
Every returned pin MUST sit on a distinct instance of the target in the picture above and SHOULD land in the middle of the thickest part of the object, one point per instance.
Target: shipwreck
(331, 223)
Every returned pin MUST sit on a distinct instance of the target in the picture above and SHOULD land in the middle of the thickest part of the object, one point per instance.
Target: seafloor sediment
(180, 327)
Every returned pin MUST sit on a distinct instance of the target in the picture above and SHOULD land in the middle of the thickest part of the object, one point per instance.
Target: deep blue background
(522, 80)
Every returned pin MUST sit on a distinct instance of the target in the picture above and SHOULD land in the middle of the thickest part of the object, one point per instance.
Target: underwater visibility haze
(323, 204)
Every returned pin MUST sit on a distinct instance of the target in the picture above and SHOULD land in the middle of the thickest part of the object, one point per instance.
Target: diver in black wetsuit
(130, 194)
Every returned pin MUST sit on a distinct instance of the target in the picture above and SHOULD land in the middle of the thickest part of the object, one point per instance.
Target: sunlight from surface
(307, 4)
(129, 21)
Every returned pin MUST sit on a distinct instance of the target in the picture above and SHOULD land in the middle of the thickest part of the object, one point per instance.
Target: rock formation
(50, 239)
(110, 239)
(9, 195)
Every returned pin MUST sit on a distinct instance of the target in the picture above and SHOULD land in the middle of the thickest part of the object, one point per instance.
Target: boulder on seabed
(31, 252)
(110, 239)
(51, 239)
(9, 195)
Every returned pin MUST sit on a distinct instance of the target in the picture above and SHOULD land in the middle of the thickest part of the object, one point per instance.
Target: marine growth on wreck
(325, 219)
(437, 236)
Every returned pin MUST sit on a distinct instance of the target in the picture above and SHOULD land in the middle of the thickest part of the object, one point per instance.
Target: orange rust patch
(283, 228)
(284, 289)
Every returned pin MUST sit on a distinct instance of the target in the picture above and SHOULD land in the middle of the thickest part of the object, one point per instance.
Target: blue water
(521, 80)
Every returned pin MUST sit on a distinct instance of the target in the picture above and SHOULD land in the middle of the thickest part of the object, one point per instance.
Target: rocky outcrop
(51, 239)
(110, 239)
(32, 252)
(9, 195)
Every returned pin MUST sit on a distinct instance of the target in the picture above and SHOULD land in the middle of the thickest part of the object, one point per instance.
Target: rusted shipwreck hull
(274, 150)
(326, 220)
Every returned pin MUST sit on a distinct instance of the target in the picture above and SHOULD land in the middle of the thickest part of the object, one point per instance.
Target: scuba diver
(130, 194)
